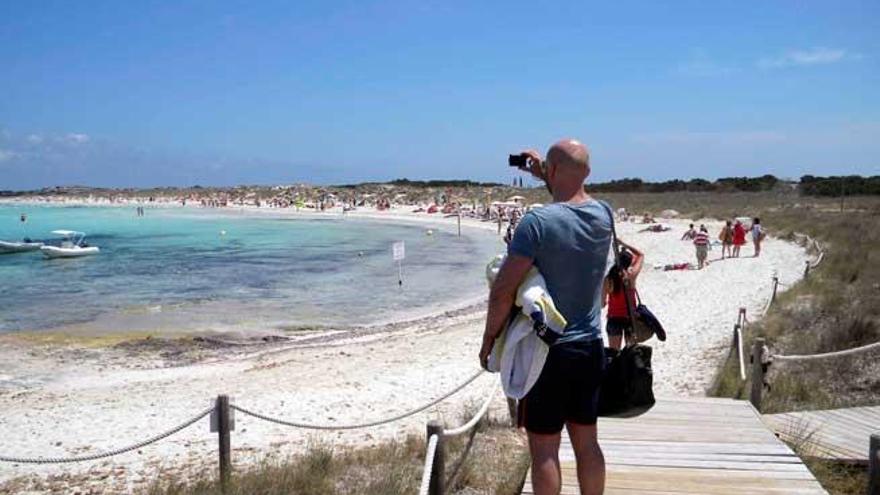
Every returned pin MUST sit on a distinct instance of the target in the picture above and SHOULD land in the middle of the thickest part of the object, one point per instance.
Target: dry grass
(838, 478)
(496, 465)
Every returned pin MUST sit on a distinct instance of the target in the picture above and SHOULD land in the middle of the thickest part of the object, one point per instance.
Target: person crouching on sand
(701, 243)
(618, 322)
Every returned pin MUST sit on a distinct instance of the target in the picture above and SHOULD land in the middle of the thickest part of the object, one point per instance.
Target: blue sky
(180, 93)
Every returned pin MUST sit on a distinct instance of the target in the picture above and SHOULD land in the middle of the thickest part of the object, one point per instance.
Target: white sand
(82, 406)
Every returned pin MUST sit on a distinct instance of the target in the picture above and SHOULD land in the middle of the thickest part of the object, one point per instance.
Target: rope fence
(477, 417)
(223, 423)
(813, 357)
(356, 426)
(435, 455)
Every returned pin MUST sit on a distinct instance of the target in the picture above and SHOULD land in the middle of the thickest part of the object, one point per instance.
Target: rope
(811, 357)
(767, 306)
(476, 419)
(92, 457)
(814, 264)
(310, 426)
(430, 452)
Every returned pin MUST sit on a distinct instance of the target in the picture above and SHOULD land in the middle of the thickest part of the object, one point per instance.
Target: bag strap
(615, 246)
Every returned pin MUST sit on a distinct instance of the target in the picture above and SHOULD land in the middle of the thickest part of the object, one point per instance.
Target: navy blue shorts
(616, 326)
(567, 390)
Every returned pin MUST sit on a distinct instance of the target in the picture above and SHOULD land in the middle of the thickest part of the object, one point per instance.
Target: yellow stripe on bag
(552, 317)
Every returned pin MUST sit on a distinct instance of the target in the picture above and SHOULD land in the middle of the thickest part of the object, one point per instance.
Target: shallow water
(173, 270)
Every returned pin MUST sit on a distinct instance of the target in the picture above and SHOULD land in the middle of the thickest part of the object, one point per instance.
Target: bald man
(568, 241)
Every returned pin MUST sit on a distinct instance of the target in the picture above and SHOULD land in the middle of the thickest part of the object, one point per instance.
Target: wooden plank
(777, 448)
(693, 446)
(840, 434)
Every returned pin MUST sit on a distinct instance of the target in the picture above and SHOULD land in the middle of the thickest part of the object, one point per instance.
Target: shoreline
(111, 323)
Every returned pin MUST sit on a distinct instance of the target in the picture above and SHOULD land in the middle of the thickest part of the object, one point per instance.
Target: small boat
(71, 247)
(19, 247)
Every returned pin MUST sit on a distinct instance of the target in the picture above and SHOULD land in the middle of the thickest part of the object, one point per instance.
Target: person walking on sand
(568, 241)
(701, 243)
(618, 322)
(726, 238)
(739, 238)
(757, 235)
(689, 234)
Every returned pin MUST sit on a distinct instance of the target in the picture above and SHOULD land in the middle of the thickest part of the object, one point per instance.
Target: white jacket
(519, 354)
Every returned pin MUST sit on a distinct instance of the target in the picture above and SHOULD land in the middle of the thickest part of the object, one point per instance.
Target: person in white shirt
(757, 235)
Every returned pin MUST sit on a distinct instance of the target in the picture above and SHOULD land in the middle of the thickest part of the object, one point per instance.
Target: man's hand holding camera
(530, 161)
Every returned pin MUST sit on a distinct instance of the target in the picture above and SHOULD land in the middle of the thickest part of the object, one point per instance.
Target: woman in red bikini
(618, 322)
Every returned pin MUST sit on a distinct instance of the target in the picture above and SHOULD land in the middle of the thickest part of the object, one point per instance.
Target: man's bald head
(571, 159)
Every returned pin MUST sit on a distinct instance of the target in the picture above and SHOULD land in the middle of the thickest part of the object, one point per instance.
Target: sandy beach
(71, 400)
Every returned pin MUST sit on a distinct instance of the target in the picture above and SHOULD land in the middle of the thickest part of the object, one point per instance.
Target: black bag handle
(615, 246)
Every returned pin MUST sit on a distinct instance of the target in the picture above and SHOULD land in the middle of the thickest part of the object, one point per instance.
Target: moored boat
(71, 247)
(19, 247)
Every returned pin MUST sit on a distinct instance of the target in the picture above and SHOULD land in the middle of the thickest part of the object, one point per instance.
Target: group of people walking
(732, 238)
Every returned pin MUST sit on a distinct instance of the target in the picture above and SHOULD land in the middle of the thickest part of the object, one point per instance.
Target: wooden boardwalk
(839, 434)
(702, 446)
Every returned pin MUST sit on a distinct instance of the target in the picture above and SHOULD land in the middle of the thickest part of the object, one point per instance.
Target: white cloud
(802, 58)
(6, 155)
(35, 139)
(77, 138)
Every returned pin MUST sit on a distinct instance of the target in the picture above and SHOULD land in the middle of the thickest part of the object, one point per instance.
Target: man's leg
(590, 461)
(546, 475)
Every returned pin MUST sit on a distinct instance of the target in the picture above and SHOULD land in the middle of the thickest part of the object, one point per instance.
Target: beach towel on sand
(521, 350)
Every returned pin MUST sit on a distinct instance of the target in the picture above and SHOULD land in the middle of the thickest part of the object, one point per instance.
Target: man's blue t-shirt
(569, 244)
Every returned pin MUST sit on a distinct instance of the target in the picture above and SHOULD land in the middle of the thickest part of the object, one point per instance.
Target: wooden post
(223, 429)
(733, 342)
(757, 373)
(775, 286)
(459, 224)
(438, 470)
(807, 269)
(874, 465)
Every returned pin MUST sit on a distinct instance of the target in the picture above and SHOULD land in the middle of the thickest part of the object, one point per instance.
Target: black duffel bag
(628, 383)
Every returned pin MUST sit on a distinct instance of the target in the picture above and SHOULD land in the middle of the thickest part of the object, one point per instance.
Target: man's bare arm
(501, 298)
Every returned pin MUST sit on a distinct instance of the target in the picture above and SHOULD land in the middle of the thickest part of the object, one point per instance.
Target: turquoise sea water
(172, 270)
